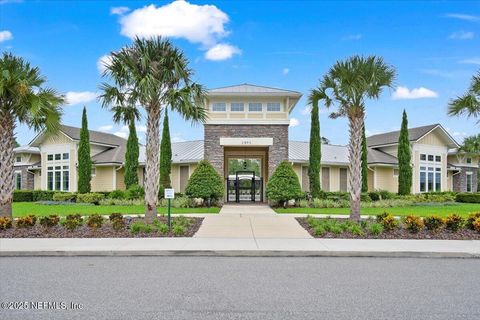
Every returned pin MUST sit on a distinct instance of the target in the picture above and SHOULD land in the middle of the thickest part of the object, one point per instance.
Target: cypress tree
(165, 155)
(131, 156)
(315, 153)
(404, 156)
(364, 162)
(84, 160)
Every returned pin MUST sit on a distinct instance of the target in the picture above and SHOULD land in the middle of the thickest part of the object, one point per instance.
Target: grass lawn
(442, 210)
(25, 208)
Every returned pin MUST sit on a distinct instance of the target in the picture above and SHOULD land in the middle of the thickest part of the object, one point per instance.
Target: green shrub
(205, 183)
(336, 229)
(356, 230)
(434, 223)
(414, 224)
(365, 197)
(283, 185)
(95, 221)
(182, 202)
(319, 230)
(388, 221)
(381, 195)
(468, 197)
(135, 192)
(115, 216)
(117, 221)
(64, 196)
(476, 225)
(178, 230)
(72, 221)
(22, 195)
(336, 195)
(49, 221)
(182, 221)
(121, 202)
(375, 229)
(91, 197)
(471, 218)
(26, 222)
(161, 227)
(117, 194)
(5, 223)
(303, 203)
(389, 203)
(328, 203)
(140, 226)
(43, 195)
(454, 222)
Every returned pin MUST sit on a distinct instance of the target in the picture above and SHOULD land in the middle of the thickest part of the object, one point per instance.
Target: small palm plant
(153, 74)
(24, 99)
(346, 86)
(469, 103)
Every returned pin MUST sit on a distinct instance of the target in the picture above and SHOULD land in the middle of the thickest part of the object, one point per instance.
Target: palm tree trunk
(355, 165)
(152, 165)
(6, 164)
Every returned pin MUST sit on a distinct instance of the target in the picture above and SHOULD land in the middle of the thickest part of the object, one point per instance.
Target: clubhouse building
(245, 138)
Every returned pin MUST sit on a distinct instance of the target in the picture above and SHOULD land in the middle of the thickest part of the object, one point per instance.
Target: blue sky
(433, 45)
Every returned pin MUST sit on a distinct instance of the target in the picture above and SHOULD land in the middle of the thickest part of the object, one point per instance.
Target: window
(423, 157)
(94, 171)
(423, 181)
(469, 160)
(18, 159)
(58, 177)
(395, 172)
(50, 157)
(430, 157)
(219, 107)
(438, 159)
(58, 156)
(469, 181)
(66, 179)
(438, 179)
(273, 107)
(236, 107)
(50, 180)
(430, 179)
(65, 156)
(255, 107)
(18, 180)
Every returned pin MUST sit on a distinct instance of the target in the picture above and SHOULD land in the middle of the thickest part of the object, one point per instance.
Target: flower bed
(95, 226)
(385, 226)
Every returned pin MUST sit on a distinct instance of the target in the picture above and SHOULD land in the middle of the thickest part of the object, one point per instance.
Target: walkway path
(250, 222)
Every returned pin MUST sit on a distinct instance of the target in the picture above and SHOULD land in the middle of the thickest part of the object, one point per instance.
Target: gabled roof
(95, 136)
(414, 134)
(375, 156)
(26, 149)
(249, 89)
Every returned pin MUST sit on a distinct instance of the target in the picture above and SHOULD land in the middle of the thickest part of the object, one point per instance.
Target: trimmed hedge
(22, 195)
(91, 197)
(468, 197)
(65, 196)
(43, 195)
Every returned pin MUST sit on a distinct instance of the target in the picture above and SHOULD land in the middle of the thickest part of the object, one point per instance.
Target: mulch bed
(106, 231)
(399, 233)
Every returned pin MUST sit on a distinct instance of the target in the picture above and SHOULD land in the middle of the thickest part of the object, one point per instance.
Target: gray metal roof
(187, 151)
(392, 137)
(299, 151)
(246, 89)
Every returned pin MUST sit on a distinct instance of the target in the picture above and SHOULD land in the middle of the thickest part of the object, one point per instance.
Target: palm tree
(469, 103)
(23, 99)
(153, 74)
(346, 86)
(471, 144)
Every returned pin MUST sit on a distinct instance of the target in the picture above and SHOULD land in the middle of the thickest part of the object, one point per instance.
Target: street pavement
(241, 288)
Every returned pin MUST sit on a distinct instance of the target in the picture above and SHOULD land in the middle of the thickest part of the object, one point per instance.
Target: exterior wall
(175, 175)
(214, 152)
(459, 181)
(305, 179)
(433, 139)
(27, 177)
(392, 150)
(37, 180)
(103, 180)
(120, 177)
(370, 180)
(384, 179)
(433, 149)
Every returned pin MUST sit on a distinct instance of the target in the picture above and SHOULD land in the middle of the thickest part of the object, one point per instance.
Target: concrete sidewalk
(240, 247)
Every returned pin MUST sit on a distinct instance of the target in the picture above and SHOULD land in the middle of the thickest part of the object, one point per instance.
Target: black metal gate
(244, 186)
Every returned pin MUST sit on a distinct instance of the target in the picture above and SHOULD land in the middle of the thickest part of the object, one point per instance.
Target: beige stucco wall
(37, 180)
(103, 180)
(175, 175)
(384, 179)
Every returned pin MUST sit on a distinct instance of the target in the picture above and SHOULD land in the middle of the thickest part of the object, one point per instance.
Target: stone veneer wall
(214, 153)
(27, 177)
(460, 179)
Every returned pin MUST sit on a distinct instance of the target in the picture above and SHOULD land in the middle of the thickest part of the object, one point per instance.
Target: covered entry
(245, 186)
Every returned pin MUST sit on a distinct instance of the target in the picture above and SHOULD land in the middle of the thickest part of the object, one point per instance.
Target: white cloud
(102, 62)
(121, 134)
(369, 133)
(475, 60)
(356, 36)
(119, 10)
(107, 127)
(141, 128)
(457, 134)
(74, 98)
(294, 122)
(439, 73)
(461, 16)
(415, 93)
(286, 71)
(221, 51)
(5, 35)
(306, 110)
(462, 35)
(197, 23)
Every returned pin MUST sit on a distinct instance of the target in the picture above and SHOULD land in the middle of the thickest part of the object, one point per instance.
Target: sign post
(169, 194)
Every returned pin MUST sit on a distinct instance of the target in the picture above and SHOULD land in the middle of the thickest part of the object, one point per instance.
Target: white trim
(250, 121)
(114, 182)
(246, 142)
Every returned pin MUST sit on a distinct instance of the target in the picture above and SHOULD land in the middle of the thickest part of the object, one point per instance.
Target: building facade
(245, 138)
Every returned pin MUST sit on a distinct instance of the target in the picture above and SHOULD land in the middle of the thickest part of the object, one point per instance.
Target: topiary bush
(468, 197)
(135, 192)
(413, 224)
(72, 221)
(26, 222)
(22, 196)
(454, 222)
(283, 185)
(5, 223)
(91, 197)
(64, 196)
(42, 195)
(434, 223)
(117, 194)
(49, 221)
(205, 183)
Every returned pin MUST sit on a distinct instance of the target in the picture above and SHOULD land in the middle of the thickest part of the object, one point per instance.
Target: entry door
(343, 179)
(184, 171)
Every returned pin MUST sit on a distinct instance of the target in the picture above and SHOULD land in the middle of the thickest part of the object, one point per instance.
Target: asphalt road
(241, 288)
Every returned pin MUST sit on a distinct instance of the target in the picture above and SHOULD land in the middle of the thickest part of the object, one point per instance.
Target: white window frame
(237, 104)
(17, 159)
(430, 167)
(469, 175)
(16, 175)
(271, 104)
(62, 165)
(217, 104)
(255, 104)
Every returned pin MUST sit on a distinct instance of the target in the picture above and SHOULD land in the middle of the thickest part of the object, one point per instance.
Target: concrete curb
(240, 253)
